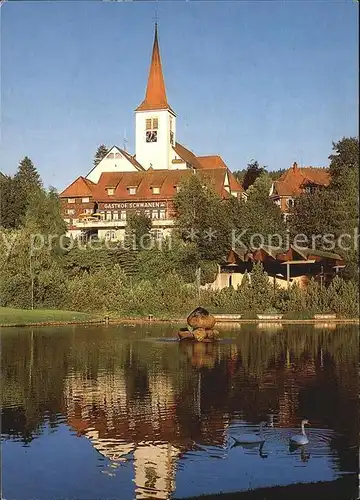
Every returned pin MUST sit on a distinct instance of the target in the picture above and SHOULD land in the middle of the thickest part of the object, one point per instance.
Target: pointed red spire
(155, 97)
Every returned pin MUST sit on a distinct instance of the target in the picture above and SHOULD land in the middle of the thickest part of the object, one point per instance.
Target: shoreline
(142, 321)
(343, 488)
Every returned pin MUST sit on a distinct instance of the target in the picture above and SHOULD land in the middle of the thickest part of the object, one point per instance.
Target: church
(146, 182)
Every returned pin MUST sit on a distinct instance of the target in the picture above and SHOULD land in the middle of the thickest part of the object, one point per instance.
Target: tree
(261, 216)
(262, 292)
(334, 210)
(276, 174)
(253, 171)
(100, 154)
(312, 214)
(138, 230)
(25, 182)
(44, 212)
(7, 215)
(202, 218)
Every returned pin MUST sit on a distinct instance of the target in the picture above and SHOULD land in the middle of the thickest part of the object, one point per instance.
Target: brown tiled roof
(214, 161)
(234, 183)
(80, 187)
(293, 181)
(145, 180)
(166, 180)
(216, 178)
(187, 155)
(120, 181)
(155, 97)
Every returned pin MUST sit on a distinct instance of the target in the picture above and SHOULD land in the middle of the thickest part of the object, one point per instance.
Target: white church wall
(116, 164)
(157, 155)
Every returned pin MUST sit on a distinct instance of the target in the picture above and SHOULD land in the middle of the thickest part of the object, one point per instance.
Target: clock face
(151, 136)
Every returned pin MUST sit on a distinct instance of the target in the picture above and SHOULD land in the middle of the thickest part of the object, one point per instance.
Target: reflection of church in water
(119, 429)
(141, 414)
(146, 421)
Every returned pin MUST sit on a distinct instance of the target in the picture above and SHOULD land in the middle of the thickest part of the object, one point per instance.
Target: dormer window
(110, 191)
(132, 190)
(155, 190)
(151, 126)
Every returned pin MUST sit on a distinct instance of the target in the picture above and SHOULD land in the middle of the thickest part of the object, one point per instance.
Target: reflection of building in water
(118, 425)
(155, 470)
(294, 377)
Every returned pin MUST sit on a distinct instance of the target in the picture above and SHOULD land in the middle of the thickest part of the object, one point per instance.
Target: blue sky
(272, 81)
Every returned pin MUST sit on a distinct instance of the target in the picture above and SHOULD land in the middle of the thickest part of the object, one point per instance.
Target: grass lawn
(23, 316)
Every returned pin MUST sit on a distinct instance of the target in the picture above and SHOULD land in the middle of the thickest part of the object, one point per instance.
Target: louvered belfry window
(151, 126)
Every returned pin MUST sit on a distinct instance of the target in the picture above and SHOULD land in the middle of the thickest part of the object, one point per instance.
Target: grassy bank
(345, 488)
(47, 317)
(10, 316)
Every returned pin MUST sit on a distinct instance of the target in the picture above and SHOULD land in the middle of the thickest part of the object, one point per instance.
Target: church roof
(155, 97)
(213, 161)
(187, 155)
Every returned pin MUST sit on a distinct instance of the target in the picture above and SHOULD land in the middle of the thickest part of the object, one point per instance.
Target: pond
(125, 412)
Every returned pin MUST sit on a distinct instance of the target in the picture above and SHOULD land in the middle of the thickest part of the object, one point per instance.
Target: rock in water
(212, 334)
(200, 334)
(185, 334)
(201, 318)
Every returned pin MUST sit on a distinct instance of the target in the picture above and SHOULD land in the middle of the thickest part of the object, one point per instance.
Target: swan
(252, 438)
(271, 420)
(300, 439)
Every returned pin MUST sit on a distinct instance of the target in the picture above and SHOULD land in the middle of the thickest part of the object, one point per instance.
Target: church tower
(155, 121)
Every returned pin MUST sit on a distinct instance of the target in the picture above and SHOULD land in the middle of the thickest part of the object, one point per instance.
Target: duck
(300, 439)
(253, 438)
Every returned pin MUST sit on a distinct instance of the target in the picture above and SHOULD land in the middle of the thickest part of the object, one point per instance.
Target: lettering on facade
(135, 204)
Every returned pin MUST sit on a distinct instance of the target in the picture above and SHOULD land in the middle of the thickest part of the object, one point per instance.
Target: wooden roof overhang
(292, 256)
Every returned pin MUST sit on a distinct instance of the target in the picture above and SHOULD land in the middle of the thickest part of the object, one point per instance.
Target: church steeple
(155, 121)
(155, 97)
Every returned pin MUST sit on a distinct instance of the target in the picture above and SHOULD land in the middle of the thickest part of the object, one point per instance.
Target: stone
(200, 334)
(201, 318)
(185, 334)
(212, 334)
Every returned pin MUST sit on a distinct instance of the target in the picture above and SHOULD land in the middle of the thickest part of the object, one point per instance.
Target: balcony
(103, 224)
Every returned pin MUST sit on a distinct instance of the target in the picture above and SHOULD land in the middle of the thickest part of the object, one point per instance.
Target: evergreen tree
(100, 154)
(7, 215)
(244, 293)
(25, 183)
(262, 293)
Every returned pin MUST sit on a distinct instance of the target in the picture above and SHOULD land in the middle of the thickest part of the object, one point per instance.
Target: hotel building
(147, 181)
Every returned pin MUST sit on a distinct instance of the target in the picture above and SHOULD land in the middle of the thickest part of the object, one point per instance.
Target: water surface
(125, 412)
